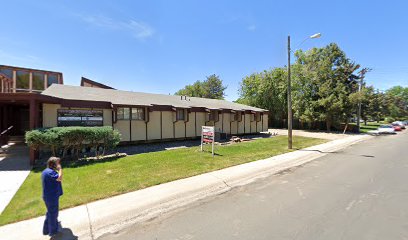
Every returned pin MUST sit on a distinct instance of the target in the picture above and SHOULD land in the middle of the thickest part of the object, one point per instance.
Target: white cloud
(137, 29)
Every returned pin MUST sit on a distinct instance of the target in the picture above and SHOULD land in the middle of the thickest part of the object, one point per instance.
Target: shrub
(389, 119)
(59, 140)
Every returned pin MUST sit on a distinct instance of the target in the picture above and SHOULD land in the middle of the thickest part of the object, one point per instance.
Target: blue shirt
(52, 189)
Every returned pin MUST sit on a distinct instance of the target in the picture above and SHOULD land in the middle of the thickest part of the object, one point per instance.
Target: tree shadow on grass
(41, 165)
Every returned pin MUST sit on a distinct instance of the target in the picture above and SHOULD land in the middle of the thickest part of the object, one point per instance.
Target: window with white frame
(123, 114)
(138, 114)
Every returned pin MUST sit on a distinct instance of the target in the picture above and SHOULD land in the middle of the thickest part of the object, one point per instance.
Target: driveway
(313, 134)
(14, 169)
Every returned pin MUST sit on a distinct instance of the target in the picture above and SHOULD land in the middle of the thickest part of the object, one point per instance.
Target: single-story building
(139, 117)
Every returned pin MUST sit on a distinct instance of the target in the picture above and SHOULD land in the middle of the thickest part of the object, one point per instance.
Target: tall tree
(331, 76)
(212, 87)
(267, 90)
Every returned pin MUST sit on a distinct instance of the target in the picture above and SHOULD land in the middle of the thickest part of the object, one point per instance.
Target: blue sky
(160, 46)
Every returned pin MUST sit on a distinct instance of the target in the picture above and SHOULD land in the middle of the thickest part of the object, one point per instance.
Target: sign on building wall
(208, 136)
(79, 117)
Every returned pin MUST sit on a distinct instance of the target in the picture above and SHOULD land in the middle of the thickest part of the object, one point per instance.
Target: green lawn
(91, 181)
(370, 126)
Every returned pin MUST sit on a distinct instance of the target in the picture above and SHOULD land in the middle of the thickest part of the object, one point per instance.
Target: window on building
(38, 81)
(238, 116)
(180, 115)
(213, 115)
(123, 114)
(138, 114)
(23, 81)
(7, 72)
(52, 79)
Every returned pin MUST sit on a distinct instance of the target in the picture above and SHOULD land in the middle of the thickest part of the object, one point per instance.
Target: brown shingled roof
(119, 97)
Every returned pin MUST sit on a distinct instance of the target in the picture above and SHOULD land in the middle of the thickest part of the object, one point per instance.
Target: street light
(317, 35)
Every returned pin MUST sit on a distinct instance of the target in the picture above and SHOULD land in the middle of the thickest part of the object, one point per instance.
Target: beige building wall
(253, 127)
(138, 130)
(50, 114)
(107, 117)
(234, 127)
(179, 129)
(259, 126)
(226, 118)
(241, 125)
(191, 125)
(201, 118)
(265, 122)
(247, 123)
(155, 132)
(218, 124)
(167, 124)
(123, 126)
(153, 126)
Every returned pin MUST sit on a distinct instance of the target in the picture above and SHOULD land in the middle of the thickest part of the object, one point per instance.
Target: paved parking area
(14, 169)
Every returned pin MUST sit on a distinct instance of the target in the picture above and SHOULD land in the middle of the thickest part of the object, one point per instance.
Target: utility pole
(289, 101)
(360, 85)
(290, 120)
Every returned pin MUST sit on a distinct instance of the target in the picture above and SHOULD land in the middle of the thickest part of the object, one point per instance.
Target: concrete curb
(95, 219)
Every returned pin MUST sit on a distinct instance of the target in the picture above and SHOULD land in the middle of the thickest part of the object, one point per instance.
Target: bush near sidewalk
(59, 140)
(84, 182)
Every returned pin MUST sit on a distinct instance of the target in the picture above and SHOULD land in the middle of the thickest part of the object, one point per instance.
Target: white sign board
(208, 136)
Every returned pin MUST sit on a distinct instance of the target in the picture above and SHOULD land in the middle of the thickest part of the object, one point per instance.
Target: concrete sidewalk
(94, 219)
(14, 169)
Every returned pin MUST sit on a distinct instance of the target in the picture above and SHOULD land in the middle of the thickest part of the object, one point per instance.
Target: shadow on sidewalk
(65, 234)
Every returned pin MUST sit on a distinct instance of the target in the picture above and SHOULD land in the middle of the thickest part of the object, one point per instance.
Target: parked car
(396, 128)
(401, 124)
(386, 129)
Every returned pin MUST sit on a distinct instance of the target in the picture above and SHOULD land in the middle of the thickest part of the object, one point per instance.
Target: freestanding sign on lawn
(208, 136)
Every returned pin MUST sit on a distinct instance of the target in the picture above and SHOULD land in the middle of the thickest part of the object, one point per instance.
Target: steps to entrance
(13, 141)
(16, 140)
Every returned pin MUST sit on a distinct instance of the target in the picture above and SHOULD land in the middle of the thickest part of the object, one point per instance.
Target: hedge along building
(139, 117)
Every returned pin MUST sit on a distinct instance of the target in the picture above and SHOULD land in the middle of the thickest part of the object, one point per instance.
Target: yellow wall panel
(153, 126)
(138, 130)
(123, 127)
(50, 115)
(167, 124)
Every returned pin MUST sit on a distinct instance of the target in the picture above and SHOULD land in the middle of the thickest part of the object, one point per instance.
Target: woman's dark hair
(52, 162)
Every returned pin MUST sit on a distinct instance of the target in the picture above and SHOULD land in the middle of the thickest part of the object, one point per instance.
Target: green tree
(267, 90)
(331, 78)
(397, 102)
(212, 87)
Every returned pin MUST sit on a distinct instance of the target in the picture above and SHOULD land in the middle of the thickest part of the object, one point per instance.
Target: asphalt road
(358, 193)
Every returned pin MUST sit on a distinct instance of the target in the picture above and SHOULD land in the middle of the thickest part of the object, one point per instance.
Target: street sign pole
(212, 149)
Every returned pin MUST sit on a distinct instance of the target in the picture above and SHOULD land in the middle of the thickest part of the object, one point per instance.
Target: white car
(383, 129)
(386, 129)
